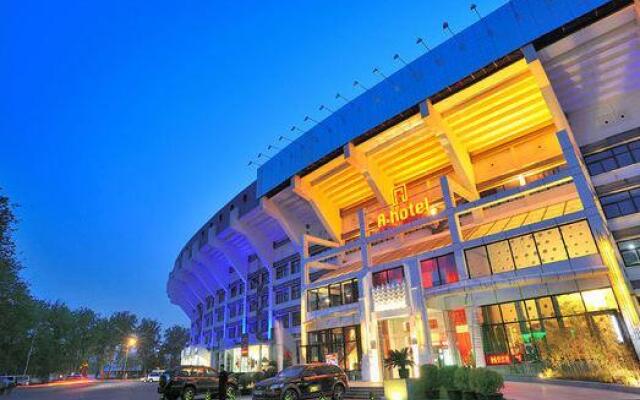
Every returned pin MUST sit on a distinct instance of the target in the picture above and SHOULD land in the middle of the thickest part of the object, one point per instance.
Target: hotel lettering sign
(402, 210)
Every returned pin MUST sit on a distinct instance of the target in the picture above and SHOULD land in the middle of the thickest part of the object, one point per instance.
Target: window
(393, 275)
(231, 332)
(614, 158)
(232, 310)
(439, 271)
(281, 271)
(295, 292)
(630, 250)
(284, 320)
(282, 296)
(264, 300)
(220, 296)
(621, 203)
(345, 342)
(542, 247)
(295, 318)
(234, 291)
(263, 325)
(220, 314)
(253, 283)
(514, 332)
(253, 305)
(241, 288)
(334, 295)
(295, 266)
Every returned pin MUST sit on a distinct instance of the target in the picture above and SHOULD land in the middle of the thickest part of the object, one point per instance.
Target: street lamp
(131, 342)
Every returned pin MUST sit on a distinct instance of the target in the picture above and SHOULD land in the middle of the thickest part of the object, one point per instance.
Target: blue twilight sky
(125, 124)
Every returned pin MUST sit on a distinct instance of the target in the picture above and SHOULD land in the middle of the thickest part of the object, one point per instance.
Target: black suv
(304, 382)
(189, 381)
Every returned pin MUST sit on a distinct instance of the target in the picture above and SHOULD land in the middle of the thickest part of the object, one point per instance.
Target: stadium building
(480, 205)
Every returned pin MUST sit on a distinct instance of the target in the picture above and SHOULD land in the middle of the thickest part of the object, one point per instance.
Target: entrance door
(393, 334)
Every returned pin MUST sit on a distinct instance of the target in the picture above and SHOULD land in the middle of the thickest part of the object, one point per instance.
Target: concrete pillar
(454, 228)
(370, 364)
(420, 325)
(475, 331)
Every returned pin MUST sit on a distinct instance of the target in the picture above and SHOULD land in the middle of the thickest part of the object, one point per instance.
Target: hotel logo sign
(402, 209)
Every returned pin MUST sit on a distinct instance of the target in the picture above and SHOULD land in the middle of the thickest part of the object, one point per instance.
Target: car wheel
(189, 393)
(290, 395)
(338, 392)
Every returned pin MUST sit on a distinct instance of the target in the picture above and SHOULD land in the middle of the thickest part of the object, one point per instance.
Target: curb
(582, 384)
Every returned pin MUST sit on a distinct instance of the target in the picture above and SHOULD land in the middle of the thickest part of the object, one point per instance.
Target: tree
(175, 339)
(16, 304)
(149, 340)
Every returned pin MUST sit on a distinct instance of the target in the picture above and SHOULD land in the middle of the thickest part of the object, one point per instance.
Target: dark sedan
(304, 382)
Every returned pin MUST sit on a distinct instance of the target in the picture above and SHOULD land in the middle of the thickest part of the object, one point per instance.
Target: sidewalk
(549, 391)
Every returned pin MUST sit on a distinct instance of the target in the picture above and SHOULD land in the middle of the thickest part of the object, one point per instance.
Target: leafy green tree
(16, 304)
(149, 340)
(175, 339)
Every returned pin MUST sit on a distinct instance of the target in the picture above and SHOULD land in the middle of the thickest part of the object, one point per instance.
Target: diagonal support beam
(292, 226)
(454, 148)
(206, 264)
(548, 94)
(235, 258)
(322, 265)
(326, 211)
(378, 181)
(260, 243)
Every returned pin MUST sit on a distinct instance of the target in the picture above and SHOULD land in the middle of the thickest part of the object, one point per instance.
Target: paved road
(147, 391)
(90, 391)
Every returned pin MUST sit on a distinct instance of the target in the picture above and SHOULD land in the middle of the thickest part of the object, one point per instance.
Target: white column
(475, 331)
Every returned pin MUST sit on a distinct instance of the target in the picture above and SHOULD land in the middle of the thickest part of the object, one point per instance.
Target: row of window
(285, 269)
(288, 293)
(258, 280)
(388, 276)
(333, 295)
(235, 309)
(263, 302)
(614, 158)
(253, 326)
(621, 203)
(511, 331)
(289, 319)
(542, 247)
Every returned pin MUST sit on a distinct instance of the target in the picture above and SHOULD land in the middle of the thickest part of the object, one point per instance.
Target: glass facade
(439, 271)
(525, 330)
(614, 158)
(333, 295)
(343, 344)
(393, 275)
(621, 203)
(542, 247)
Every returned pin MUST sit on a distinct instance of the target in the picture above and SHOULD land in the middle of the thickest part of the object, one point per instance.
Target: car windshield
(291, 372)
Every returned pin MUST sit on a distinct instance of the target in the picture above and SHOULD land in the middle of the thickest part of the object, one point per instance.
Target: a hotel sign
(402, 209)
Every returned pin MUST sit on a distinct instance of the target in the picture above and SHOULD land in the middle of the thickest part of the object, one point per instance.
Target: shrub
(429, 375)
(582, 356)
(461, 379)
(258, 376)
(485, 381)
(446, 377)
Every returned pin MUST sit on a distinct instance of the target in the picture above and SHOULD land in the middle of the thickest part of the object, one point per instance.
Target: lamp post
(131, 342)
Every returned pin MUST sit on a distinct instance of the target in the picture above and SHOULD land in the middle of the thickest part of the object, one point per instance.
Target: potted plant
(399, 359)
(486, 384)
(446, 377)
(429, 375)
(461, 382)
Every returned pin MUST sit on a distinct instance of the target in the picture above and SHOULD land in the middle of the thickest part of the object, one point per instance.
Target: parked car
(23, 380)
(187, 382)
(304, 382)
(153, 376)
(74, 376)
(7, 383)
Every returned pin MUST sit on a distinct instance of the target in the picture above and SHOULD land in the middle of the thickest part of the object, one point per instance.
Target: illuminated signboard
(498, 359)
(403, 210)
